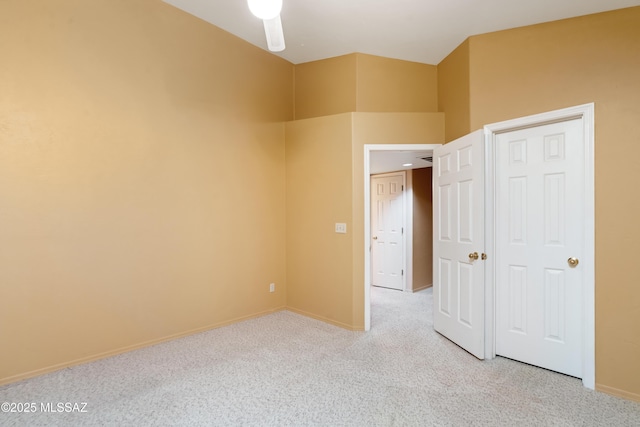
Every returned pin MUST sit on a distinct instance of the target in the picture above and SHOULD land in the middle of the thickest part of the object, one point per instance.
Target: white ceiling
(391, 161)
(423, 31)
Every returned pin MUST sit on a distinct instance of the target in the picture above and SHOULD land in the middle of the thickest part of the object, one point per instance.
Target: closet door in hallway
(387, 230)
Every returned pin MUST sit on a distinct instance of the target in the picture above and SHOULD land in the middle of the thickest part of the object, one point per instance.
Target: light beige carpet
(287, 370)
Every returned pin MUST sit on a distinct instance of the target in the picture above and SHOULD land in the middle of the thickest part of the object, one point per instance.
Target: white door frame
(368, 148)
(586, 112)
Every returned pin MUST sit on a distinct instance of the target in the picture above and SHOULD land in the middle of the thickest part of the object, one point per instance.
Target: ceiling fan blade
(275, 36)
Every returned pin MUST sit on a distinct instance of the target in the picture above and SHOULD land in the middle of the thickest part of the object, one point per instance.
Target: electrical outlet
(341, 228)
(272, 287)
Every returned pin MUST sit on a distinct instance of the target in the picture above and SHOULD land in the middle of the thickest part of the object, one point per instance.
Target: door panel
(458, 286)
(387, 224)
(539, 200)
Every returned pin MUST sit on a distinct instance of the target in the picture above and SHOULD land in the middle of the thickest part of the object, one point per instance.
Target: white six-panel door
(458, 214)
(539, 226)
(387, 230)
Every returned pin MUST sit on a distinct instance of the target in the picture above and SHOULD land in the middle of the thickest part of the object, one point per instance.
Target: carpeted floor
(288, 370)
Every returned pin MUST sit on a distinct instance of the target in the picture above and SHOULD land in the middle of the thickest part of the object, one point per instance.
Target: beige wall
(137, 145)
(364, 83)
(422, 228)
(394, 102)
(319, 192)
(325, 185)
(453, 92)
(325, 87)
(594, 58)
(392, 85)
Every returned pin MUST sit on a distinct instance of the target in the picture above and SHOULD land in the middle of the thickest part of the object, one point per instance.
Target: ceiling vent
(427, 159)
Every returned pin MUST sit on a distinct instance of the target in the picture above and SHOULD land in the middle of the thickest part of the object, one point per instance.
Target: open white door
(458, 242)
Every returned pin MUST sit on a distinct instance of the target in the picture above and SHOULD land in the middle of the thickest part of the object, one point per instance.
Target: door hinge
(402, 230)
(402, 272)
(402, 188)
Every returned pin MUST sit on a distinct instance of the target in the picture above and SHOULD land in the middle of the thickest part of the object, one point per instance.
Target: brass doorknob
(473, 256)
(573, 262)
(375, 237)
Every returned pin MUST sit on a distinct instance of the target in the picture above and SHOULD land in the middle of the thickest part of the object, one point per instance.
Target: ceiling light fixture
(265, 9)
(407, 164)
(269, 12)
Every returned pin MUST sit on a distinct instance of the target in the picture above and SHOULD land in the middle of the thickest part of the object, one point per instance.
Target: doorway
(369, 151)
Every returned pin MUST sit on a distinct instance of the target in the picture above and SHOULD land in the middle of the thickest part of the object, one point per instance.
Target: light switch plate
(341, 227)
